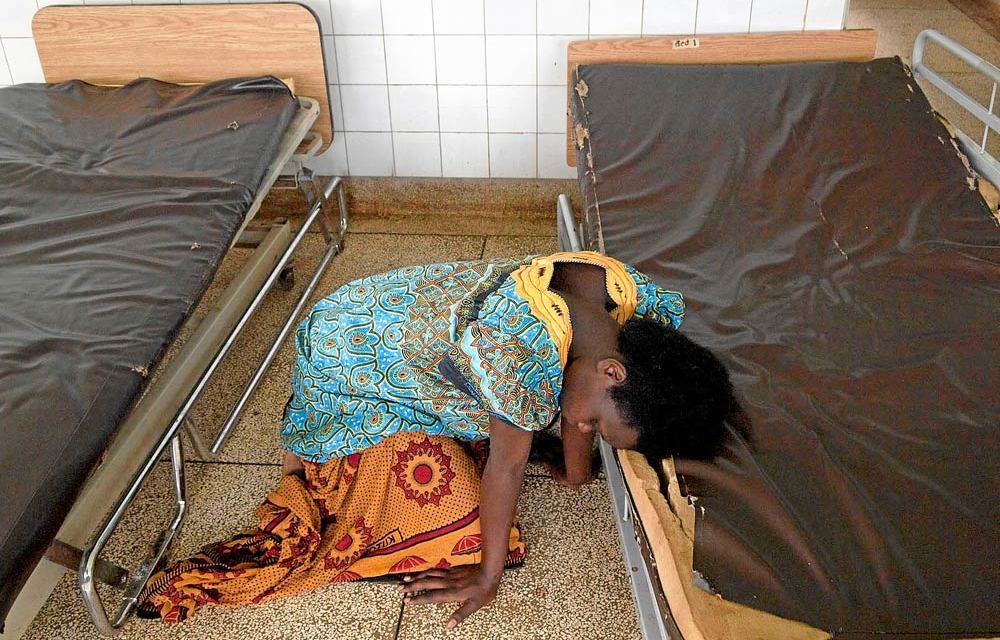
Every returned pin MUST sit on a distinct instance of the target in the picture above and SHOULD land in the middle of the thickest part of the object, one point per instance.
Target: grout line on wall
(537, 127)
(437, 89)
(340, 95)
(750, 19)
(3, 51)
(482, 249)
(388, 99)
(486, 88)
(642, 19)
(696, 3)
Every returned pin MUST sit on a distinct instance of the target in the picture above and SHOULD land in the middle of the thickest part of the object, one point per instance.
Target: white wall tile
(15, 18)
(370, 154)
(155, 2)
(5, 78)
(563, 16)
(413, 108)
(465, 155)
(45, 3)
(552, 109)
(333, 161)
(417, 154)
(723, 16)
(512, 109)
(462, 108)
(461, 59)
(336, 107)
(615, 17)
(510, 16)
(410, 59)
(322, 10)
(552, 58)
(826, 14)
(513, 155)
(356, 17)
(510, 60)
(552, 156)
(360, 59)
(330, 58)
(126, 1)
(669, 17)
(407, 17)
(366, 107)
(777, 15)
(22, 58)
(462, 17)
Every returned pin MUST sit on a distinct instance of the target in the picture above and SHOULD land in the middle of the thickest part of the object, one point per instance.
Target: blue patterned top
(438, 349)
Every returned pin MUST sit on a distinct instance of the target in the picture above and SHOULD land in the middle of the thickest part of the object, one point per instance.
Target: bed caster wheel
(286, 279)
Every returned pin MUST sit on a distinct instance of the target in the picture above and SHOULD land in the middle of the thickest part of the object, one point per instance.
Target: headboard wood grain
(185, 44)
(854, 45)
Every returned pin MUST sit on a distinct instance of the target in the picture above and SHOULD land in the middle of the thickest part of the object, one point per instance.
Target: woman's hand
(467, 584)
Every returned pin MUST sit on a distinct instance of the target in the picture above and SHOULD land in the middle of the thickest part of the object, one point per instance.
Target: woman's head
(661, 394)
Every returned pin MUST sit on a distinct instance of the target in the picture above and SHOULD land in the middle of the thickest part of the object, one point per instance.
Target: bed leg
(334, 242)
(88, 573)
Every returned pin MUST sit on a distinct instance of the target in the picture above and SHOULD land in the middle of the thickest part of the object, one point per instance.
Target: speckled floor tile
(497, 247)
(222, 500)
(897, 29)
(942, 5)
(572, 585)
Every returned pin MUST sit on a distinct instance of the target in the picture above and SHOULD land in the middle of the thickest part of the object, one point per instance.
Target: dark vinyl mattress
(117, 205)
(833, 253)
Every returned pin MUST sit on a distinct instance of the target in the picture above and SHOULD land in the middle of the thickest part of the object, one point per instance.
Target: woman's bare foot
(292, 464)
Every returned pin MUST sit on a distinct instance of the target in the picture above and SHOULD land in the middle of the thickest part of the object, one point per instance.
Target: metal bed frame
(652, 609)
(146, 434)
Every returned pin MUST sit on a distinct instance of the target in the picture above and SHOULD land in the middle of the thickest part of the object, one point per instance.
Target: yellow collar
(531, 282)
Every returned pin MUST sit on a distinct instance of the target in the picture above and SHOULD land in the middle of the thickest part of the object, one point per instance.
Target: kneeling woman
(399, 376)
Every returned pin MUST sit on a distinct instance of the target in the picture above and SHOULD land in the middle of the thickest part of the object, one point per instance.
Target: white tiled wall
(462, 88)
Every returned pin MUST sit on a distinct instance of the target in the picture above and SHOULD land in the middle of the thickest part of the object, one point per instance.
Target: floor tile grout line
(482, 249)
(399, 620)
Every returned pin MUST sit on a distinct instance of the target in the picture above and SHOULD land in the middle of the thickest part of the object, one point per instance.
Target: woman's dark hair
(676, 393)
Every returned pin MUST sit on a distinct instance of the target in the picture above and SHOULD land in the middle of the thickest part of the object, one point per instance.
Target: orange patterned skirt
(407, 504)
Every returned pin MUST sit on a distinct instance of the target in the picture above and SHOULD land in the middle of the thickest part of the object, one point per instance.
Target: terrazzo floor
(573, 584)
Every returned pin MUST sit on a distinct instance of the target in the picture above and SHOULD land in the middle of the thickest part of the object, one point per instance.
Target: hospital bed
(837, 246)
(122, 194)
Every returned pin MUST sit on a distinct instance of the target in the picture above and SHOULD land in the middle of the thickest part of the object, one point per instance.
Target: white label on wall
(686, 43)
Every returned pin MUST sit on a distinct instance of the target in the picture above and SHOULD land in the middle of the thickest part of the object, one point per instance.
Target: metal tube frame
(652, 609)
(981, 161)
(171, 436)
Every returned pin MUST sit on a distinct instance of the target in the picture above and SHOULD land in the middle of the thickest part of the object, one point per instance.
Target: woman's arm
(477, 585)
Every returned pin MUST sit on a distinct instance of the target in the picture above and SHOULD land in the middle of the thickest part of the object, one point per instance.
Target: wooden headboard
(185, 44)
(855, 45)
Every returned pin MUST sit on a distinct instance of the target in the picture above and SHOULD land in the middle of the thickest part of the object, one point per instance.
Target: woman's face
(586, 401)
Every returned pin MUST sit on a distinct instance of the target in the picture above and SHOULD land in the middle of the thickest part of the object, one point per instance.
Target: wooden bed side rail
(668, 522)
(853, 45)
(186, 43)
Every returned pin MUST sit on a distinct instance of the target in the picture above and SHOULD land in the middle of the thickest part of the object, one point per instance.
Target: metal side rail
(651, 607)
(171, 436)
(981, 161)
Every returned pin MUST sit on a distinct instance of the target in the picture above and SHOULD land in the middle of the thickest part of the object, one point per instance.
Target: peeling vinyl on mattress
(581, 135)
(142, 371)
(910, 87)
(233, 126)
(582, 89)
(195, 245)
